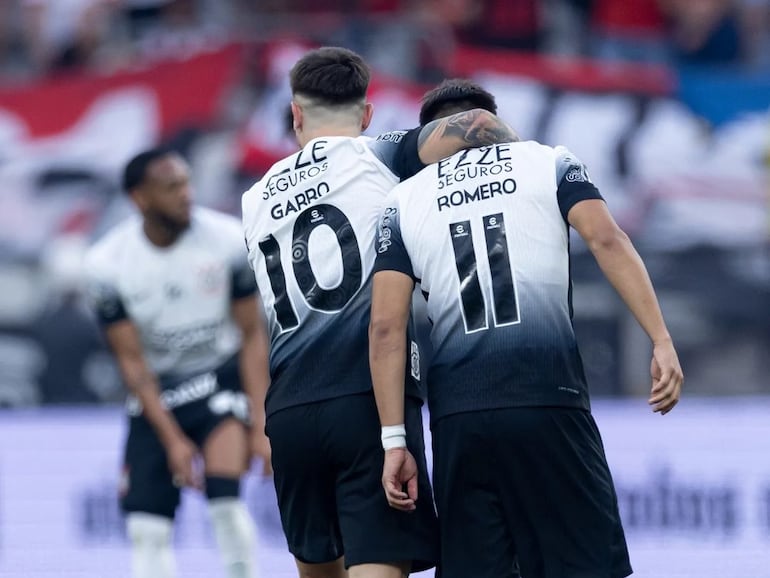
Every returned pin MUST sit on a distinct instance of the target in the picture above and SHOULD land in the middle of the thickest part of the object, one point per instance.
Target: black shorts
(327, 464)
(199, 405)
(526, 481)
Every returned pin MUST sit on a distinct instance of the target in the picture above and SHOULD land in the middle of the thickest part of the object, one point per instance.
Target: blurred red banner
(187, 92)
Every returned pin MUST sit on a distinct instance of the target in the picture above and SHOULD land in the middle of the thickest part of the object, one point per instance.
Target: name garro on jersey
(308, 165)
(494, 161)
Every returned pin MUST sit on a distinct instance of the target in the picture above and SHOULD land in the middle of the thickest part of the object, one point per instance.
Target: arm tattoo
(473, 127)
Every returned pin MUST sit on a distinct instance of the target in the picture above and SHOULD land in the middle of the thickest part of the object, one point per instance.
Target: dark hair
(136, 169)
(330, 75)
(457, 94)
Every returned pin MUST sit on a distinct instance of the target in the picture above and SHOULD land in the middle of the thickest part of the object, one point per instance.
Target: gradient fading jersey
(178, 297)
(485, 234)
(310, 225)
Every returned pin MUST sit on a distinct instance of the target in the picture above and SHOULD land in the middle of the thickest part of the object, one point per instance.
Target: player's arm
(141, 381)
(392, 287)
(254, 368)
(444, 137)
(623, 267)
(391, 303)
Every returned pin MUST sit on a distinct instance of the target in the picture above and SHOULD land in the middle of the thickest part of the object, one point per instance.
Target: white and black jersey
(178, 297)
(404, 158)
(485, 233)
(310, 226)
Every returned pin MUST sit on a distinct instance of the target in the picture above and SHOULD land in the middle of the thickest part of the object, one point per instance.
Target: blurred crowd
(687, 167)
(404, 37)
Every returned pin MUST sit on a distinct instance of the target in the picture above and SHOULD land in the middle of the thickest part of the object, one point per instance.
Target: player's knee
(335, 569)
(149, 530)
(222, 487)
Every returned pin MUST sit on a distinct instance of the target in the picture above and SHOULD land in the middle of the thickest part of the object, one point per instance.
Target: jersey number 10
(472, 302)
(329, 300)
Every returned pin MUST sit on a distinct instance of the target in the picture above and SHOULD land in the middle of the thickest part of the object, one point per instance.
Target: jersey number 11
(472, 302)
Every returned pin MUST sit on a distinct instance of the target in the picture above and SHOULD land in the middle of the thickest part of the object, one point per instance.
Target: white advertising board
(694, 490)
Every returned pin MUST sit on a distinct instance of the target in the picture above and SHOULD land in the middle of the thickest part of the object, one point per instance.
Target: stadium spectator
(66, 34)
(633, 30)
(494, 23)
(708, 32)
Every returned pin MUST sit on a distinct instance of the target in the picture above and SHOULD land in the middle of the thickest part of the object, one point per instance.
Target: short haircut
(457, 94)
(330, 76)
(136, 169)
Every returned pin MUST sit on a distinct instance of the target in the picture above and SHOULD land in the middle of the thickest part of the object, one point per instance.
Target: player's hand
(181, 454)
(400, 469)
(259, 447)
(667, 377)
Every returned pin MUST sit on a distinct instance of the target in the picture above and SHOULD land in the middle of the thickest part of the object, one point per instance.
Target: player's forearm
(474, 128)
(387, 360)
(255, 375)
(624, 269)
(143, 384)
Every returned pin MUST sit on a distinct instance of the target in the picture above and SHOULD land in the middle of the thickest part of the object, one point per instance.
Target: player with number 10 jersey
(310, 227)
(310, 224)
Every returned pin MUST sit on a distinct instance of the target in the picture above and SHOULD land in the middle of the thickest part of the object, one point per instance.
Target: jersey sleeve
(103, 294)
(391, 252)
(242, 280)
(398, 151)
(574, 184)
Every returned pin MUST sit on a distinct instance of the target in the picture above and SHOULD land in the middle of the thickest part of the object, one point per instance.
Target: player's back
(487, 237)
(309, 227)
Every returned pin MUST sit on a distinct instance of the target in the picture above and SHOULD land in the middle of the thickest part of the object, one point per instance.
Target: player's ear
(367, 118)
(139, 196)
(296, 114)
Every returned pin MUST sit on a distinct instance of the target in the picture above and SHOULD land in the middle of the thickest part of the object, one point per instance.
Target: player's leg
(149, 500)
(401, 570)
(568, 510)
(151, 553)
(334, 569)
(379, 541)
(225, 458)
(303, 474)
(475, 539)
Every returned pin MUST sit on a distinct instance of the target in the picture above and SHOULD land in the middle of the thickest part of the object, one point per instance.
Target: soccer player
(178, 303)
(309, 227)
(517, 456)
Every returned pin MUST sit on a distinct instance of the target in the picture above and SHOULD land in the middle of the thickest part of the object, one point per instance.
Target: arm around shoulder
(446, 136)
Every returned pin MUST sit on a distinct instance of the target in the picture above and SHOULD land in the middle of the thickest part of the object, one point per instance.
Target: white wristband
(393, 436)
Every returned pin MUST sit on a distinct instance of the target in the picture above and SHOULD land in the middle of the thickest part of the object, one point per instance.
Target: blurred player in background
(486, 233)
(178, 303)
(309, 226)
